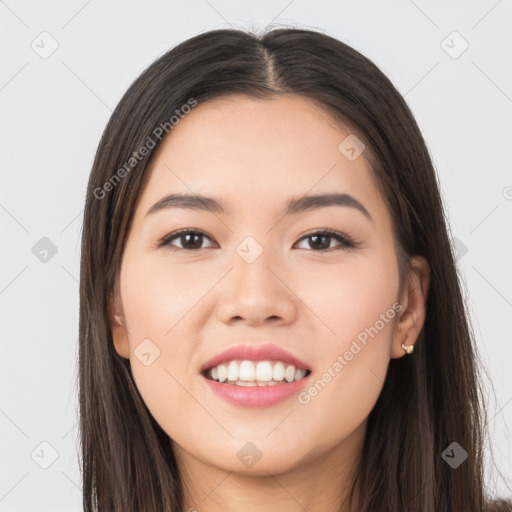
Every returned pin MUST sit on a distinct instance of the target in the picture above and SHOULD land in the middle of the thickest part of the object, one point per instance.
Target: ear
(118, 328)
(413, 300)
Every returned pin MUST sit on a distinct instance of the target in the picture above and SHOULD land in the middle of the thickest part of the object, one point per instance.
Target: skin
(255, 155)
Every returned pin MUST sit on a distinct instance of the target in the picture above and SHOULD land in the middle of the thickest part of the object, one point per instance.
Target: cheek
(358, 304)
(159, 298)
(350, 299)
(158, 302)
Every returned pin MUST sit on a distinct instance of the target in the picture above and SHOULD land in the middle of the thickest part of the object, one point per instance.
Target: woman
(270, 315)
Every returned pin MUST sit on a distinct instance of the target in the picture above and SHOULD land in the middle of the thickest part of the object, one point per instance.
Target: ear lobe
(414, 299)
(118, 329)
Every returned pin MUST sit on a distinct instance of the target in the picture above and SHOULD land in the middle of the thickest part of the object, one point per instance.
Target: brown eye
(321, 240)
(190, 240)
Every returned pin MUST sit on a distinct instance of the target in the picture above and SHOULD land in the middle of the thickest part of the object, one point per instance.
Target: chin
(256, 458)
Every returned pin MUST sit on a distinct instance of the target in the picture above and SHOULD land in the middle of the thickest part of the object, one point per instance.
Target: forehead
(256, 153)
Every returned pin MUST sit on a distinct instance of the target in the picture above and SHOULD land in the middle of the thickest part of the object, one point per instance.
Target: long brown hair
(428, 401)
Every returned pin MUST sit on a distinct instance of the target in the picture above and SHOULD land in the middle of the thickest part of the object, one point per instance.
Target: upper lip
(255, 353)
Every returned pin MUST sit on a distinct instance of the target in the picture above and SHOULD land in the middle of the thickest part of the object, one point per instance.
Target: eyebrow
(294, 205)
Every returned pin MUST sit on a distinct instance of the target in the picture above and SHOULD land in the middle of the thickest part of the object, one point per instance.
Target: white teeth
(289, 374)
(299, 373)
(264, 371)
(246, 371)
(278, 371)
(222, 372)
(233, 371)
(252, 373)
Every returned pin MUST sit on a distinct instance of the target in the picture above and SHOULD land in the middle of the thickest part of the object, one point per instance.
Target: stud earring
(408, 348)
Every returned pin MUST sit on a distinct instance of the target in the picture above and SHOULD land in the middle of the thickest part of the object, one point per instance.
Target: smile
(255, 373)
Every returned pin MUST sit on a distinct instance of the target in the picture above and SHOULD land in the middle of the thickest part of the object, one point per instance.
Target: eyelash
(346, 242)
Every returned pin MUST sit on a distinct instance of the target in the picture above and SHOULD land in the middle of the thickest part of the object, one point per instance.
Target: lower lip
(256, 396)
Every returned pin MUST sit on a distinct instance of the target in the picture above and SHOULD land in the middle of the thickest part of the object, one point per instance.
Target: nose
(257, 294)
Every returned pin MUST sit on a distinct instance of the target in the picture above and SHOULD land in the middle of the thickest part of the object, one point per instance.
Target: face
(256, 275)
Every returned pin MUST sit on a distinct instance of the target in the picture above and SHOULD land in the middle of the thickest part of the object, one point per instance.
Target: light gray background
(53, 112)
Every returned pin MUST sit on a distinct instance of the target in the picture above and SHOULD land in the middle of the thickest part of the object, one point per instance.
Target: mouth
(255, 375)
